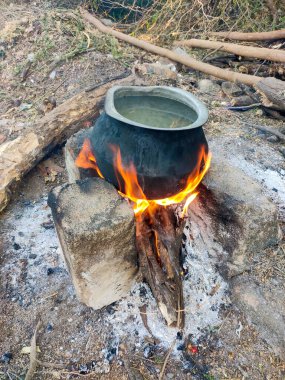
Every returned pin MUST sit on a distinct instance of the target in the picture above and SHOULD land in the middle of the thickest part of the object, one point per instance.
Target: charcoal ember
(6, 358)
(83, 369)
(111, 352)
(16, 246)
(111, 309)
(48, 225)
(149, 350)
(179, 335)
(50, 271)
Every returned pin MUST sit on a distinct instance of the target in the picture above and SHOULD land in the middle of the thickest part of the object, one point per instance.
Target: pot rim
(173, 93)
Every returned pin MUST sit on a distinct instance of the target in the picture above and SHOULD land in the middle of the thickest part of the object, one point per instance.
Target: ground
(48, 55)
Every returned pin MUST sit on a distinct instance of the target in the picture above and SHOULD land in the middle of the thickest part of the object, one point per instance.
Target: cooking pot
(158, 129)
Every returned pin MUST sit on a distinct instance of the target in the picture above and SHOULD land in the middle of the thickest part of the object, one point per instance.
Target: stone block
(96, 230)
(244, 220)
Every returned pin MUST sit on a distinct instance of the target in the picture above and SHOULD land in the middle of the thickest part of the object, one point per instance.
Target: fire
(86, 158)
(131, 189)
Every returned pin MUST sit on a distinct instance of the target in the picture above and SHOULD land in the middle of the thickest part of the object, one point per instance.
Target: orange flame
(131, 189)
(86, 158)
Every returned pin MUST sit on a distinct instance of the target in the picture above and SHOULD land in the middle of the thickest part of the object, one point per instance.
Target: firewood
(162, 270)
(19, 156)
(272, 92)
(244, 51)
(255, 36)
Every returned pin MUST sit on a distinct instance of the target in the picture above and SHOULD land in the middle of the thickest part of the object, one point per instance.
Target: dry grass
(172, 19)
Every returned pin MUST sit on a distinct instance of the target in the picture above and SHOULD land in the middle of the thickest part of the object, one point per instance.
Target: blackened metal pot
(163, 152)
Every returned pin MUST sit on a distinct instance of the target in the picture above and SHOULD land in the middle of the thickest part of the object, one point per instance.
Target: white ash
(273, 181)
(204, 292)
(33, 253)
(37, 246)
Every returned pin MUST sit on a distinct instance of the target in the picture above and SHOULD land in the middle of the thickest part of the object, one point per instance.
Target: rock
(243, 220)
(241, 101)
(231, 89)
(96, 230)
(158, 69)
(272, 139)
(265, 308)
(208, 86)
(180, 51)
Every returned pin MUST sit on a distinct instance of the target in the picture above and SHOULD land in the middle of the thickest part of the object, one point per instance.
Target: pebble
(49, 327)
(169, 375)
(208, 86)
(231, 89)
(32, 256)
(272, 139)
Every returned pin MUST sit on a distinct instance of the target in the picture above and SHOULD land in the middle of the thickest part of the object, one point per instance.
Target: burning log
(158, 244)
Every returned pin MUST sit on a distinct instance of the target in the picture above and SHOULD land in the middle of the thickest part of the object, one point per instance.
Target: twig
(33, 354)
(166, 360)
(211, 53)
(264, 129)
(50, 365)
(121, 76)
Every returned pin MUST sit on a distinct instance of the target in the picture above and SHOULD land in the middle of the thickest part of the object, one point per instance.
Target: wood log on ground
(272, 92)
(158, 240)
(19, 156)
(163, 52)
(191, 62)
(244, 51)
(255, 36)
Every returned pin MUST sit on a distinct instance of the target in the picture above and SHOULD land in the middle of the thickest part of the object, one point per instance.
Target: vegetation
(172, 19)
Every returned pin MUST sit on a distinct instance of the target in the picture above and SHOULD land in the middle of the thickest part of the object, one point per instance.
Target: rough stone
(264, 306)
(96, 230)
(244, 219)
(208, 86)
(273, 139)
(231, 89)
(163, 71)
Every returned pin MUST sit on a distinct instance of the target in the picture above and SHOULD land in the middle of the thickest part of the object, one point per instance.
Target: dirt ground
(47, 56)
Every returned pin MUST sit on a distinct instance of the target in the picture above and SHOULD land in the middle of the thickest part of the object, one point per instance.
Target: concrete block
(96, 230)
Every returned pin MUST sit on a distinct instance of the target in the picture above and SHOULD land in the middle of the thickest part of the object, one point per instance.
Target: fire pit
(158, 130)
(149, 143)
